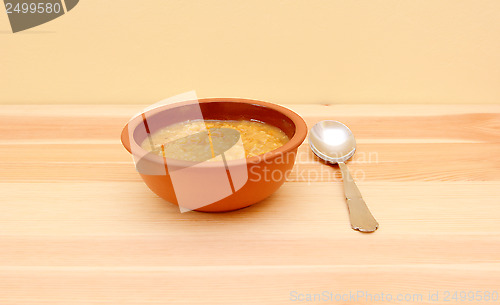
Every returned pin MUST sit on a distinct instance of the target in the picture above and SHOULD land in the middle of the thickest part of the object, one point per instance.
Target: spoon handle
(360, 216)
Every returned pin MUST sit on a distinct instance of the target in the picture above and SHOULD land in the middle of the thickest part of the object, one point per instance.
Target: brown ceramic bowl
(265, 173)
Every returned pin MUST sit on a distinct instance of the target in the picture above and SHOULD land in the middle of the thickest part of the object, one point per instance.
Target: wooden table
(78, 226)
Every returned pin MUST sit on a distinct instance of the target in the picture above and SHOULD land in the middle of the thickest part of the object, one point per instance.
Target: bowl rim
(292, 144)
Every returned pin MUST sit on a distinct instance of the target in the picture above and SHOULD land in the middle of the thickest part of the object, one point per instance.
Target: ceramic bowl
(224, 186)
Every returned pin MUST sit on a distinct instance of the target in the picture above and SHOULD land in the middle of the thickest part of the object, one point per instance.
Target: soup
(204, 140)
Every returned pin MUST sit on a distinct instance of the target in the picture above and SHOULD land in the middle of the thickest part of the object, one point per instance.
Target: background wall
(289, 51)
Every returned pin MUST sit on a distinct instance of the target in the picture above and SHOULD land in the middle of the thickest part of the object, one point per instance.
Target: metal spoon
(334, 142)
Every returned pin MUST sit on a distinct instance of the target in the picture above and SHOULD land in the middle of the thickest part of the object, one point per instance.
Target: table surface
(78, 226)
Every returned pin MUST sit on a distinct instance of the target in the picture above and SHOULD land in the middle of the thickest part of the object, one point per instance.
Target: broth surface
(192, 141)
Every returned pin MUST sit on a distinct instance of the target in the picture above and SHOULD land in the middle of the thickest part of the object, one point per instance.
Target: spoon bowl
(332, 141)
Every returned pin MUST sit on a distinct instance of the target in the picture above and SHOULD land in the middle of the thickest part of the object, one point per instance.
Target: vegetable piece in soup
(191, 140)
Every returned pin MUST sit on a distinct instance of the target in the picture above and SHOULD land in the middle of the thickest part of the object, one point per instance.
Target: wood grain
(77, 225)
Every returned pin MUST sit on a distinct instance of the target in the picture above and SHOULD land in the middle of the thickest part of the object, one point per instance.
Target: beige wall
(283, 51)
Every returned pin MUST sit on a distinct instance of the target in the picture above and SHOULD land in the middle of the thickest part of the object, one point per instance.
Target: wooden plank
(477, 127)
(116, 208)
(246, 285)
(372, 162)
(364, 110)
